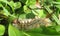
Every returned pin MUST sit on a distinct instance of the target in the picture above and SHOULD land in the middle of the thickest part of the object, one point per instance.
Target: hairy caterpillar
(30, 23)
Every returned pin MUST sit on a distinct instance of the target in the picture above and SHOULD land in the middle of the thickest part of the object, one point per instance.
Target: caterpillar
(30, 23)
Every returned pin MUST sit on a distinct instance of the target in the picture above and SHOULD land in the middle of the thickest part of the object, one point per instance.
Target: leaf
(14, 5)
(57, 28)
(56, 19)
(6, 12)
(11, 18)
(56, 2)
(58, 6)
(49, 30)
(0, 5)
(30, 15)
(23, 1)
(34, 32)
(22, 16)
(40, 12)
(2, 30)
(26, 9)
(30, 2)
(17, 5)
(53, 16)
(4, 1)
(48, 9)
(12, 31)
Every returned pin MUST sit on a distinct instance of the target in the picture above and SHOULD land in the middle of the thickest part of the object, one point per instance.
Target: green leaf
(0, 5)
(53, 16)
(4, 1)
(6, 12)
(26, 9)
(58, 6)
(22, 16)
(30, 15)
(30, 2)
(35, 13)
(36, 30)
(48, 9)
(56, 19)
(57, 28)
(58, 0)
(2, 30)
(11, 18)
(17, 5)
(23, 1)
(12, 31)
(40, 12)
(49, 30)
(14, 5)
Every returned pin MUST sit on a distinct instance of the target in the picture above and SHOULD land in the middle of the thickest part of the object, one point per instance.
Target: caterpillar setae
(30, 23)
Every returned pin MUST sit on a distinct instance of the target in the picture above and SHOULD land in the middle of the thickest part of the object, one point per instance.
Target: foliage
(2, 30)
(28, 9)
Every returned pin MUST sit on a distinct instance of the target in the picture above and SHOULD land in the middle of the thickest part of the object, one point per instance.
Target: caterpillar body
(30, 23)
